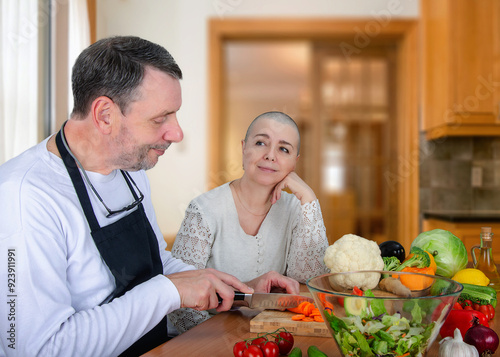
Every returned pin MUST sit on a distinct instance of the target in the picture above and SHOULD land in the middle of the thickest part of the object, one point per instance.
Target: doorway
(349, 111)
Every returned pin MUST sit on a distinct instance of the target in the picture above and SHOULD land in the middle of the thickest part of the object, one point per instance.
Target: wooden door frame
(361, 32)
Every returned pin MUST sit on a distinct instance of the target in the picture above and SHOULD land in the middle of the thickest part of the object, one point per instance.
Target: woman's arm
(194, 240)
(193, 245)
(309, 242)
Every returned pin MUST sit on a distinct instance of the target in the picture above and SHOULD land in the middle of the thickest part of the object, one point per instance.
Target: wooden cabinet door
(460, 79)
(473, 57)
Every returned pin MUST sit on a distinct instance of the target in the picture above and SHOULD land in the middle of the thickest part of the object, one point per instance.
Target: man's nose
(174, 131)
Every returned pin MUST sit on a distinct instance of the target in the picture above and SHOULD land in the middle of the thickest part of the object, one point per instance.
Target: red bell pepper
(463, 320)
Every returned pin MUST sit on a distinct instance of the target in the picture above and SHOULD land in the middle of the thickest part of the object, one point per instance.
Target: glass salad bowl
(387, 320)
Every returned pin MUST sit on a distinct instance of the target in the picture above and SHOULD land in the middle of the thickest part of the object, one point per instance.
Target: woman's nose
(270, 155)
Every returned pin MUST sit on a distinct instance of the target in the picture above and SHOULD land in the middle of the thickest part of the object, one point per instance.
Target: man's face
(150, 124)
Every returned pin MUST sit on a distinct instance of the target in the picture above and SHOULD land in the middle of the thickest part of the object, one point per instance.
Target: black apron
(128, 246)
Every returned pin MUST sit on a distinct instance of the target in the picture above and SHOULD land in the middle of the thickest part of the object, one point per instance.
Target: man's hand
(299, 188)
(273, 281)
(199, 288)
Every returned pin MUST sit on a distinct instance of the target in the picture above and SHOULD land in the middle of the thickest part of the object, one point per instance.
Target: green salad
(375, 333)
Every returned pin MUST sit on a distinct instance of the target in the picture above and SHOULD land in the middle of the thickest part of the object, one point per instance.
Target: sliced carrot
(298, 317)
(308, 319)
(318, 319)
(303, 305)
(300, 308)
(295, 309)
(308, 309)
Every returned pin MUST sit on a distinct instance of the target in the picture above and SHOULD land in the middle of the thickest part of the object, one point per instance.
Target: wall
(181, 27)
(446, 174)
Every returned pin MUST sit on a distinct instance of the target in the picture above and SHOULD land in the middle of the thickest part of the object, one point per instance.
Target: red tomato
(492, 311)
(270, 349)
(285, 342)
(468, 307)
(341, 301)
(457, 306)
(238, 348)
(258, 341)
(476, 306)
(467, 303)
(486, 311)
(357, 291)
(253, 351)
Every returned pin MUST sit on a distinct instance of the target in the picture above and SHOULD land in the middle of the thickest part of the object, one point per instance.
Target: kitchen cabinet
(468, 232)
(460, 68)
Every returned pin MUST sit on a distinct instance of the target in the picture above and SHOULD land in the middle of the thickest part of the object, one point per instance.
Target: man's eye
(160, 120)
(285, 150)
(259, 143)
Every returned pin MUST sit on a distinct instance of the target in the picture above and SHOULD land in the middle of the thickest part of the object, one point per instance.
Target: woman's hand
(299, 188)
(273, 282)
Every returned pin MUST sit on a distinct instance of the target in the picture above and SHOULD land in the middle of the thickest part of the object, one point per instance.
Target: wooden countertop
(216, 337)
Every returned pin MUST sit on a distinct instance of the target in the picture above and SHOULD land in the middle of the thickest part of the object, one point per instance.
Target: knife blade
(271, 301)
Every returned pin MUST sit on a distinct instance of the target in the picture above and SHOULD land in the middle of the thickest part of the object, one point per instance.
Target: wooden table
(216, 337)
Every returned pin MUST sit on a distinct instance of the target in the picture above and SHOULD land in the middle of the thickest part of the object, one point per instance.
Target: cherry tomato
(486, 311)
(258, 341)
(253, 351)
(468, 307)
(357, 291)
(270, 349)
(492, 311)
(285, 342)
(457, 306)
(239, 348)
(467, 303)
(341, 301)
(476, 306)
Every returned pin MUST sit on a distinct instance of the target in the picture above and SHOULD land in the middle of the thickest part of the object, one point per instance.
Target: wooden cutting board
(271, 320)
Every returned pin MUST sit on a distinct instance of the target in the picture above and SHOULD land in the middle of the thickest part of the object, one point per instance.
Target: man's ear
(102, 111)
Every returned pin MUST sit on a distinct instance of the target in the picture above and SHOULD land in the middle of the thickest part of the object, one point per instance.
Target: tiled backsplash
(446, 173)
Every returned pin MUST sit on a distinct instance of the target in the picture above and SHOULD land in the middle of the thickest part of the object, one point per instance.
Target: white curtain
(79, 37)
(19, 28)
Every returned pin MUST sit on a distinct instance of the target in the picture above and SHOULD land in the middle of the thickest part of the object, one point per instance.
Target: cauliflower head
(352, 253)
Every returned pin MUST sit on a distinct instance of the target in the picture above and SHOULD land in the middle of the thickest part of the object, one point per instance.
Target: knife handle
(238, 296)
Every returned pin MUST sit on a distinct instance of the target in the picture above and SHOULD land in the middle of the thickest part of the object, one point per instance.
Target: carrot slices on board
(307, 311)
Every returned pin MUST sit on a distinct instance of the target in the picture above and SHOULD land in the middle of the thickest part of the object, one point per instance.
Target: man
(88, 273)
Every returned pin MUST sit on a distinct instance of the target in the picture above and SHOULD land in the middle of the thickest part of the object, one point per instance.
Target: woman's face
(270, 152)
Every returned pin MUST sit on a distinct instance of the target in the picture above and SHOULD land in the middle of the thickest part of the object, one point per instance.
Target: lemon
(471, 276)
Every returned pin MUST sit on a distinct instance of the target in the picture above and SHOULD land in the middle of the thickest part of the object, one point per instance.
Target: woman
(249, 226)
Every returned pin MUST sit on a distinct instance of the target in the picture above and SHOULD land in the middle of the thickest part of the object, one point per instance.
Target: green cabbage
(448, 250)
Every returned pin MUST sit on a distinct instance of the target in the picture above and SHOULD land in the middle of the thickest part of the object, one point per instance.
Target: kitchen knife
(269, 301)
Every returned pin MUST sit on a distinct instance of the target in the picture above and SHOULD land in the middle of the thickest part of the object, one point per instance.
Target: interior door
(356, 114)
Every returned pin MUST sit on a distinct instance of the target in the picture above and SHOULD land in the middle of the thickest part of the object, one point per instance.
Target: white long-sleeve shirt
(57, 276)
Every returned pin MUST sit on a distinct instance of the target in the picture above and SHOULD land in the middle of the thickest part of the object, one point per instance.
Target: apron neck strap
(78, 183)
